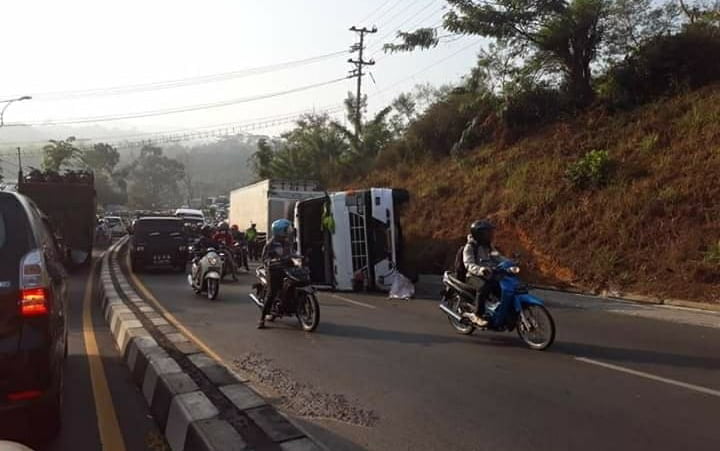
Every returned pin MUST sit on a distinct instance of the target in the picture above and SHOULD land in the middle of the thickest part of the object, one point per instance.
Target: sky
(58, 46)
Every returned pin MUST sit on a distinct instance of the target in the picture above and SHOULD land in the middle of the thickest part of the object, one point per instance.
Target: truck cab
(352, 239)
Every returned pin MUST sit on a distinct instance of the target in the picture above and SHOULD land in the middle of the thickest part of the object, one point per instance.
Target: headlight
(297, 261)
(139, 248)
(213, 261)
(514, 270)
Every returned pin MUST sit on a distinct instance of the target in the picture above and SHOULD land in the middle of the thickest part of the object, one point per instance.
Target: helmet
(282, 228)
(482, 231)
(206, 230)
(223, 226)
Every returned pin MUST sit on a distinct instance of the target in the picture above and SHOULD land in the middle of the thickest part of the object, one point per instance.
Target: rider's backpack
(460, 269)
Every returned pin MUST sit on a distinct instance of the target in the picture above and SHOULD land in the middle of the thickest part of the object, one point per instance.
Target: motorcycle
(228, 262)
(205, 273)
(512, 308)
(296, 297)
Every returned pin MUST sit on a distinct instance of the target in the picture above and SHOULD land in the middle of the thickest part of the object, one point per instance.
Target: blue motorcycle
(510, 308)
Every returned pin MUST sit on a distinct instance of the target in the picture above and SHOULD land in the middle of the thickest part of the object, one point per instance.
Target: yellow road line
(110, 436)
(169, 316)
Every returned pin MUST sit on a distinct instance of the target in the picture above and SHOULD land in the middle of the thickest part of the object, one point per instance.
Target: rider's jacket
(477, 256)
(276, 249)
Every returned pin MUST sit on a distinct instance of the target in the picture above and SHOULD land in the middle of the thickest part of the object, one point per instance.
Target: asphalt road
(392, 375)
(82, 410)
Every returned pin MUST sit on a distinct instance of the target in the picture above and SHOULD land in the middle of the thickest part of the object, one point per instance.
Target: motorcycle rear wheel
(536, 327)
(308, 312)
(463, 328)
(213, 287)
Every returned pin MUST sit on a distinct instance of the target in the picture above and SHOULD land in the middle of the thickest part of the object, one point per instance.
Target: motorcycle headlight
(514, 270)
(213, 261)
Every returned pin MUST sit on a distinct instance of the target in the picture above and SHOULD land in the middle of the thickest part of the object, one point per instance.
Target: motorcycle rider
(274, 257)
(478, 256)
(239, 238)
(224, 238)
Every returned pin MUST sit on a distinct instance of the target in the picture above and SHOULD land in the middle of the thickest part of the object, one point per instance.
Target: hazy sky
(67, 45)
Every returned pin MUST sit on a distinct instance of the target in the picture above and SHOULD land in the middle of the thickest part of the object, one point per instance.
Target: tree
(60, 153)
(102, 158)
(154, 179)
(564, 35)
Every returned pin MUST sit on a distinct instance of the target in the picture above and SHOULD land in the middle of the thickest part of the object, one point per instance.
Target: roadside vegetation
(588, 130)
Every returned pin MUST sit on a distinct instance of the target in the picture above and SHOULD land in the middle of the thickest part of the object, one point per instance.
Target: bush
(531, 107)
(590, 171)
(665, 65)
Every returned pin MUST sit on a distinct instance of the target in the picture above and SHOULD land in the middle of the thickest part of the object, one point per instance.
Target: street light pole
(7, 104)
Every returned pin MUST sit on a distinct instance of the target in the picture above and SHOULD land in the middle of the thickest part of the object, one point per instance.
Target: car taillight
(33, 302)
(24, 395)
(33, 282)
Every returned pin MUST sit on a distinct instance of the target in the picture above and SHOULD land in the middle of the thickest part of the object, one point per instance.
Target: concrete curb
(435, 280)
(189, 419)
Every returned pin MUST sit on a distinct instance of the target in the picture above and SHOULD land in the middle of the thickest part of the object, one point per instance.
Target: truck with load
(69, 202)
(263, 202)
(352, 239)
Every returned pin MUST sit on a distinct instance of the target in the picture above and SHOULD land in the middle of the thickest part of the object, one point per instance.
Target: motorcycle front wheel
(308, 312)
(213, 287)
(461, 327)
(536, 327)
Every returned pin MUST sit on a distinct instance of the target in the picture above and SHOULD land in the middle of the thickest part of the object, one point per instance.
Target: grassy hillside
(653, 228)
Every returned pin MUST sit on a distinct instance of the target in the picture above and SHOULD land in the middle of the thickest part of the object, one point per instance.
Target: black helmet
(206, 230)
(482, 231)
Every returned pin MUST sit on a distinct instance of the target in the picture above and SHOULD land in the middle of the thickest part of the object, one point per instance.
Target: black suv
(33, 331)
(158, 241)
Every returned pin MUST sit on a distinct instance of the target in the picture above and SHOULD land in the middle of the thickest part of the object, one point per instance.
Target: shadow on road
(369, 333)
(615, 354)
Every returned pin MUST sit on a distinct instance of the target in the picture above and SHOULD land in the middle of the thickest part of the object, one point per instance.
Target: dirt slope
(653, 229)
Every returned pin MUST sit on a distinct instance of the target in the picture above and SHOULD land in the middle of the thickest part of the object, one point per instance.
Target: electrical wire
(400, 25)
(182, 82)
(366, 18)
(143, 114)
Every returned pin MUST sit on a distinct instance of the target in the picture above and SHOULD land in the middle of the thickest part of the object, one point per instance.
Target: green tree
(154, 179)
(563, 35)
(59, 154)
(102, 158)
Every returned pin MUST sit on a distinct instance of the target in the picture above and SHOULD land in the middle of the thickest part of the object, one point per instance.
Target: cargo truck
(268, 200)
(69, 202)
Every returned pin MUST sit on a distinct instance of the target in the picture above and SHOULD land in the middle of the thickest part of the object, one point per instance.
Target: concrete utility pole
(358, 73)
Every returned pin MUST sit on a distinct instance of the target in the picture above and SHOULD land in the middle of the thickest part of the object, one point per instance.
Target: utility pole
(358, 73)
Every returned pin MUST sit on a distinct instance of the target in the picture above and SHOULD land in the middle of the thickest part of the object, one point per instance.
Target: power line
(182, 82)
(397, 28)
(229, 128)
(366, 18)
(177, 110)
(428, 67)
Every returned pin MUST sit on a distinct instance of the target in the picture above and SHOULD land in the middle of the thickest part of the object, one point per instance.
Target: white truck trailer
(268, 200)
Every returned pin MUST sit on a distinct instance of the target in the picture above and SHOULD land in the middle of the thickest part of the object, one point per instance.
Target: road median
(197, 402)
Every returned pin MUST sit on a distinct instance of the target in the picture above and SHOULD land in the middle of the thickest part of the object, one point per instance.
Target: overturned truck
(352, 239)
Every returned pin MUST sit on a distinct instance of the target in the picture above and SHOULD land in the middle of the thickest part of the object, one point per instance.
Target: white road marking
(342, 298)
(697, 388)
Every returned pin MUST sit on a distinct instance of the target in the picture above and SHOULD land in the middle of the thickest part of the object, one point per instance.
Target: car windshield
(158, 225)
(113, 221)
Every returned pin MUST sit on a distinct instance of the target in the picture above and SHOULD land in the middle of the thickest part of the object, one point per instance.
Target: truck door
(314, 239)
